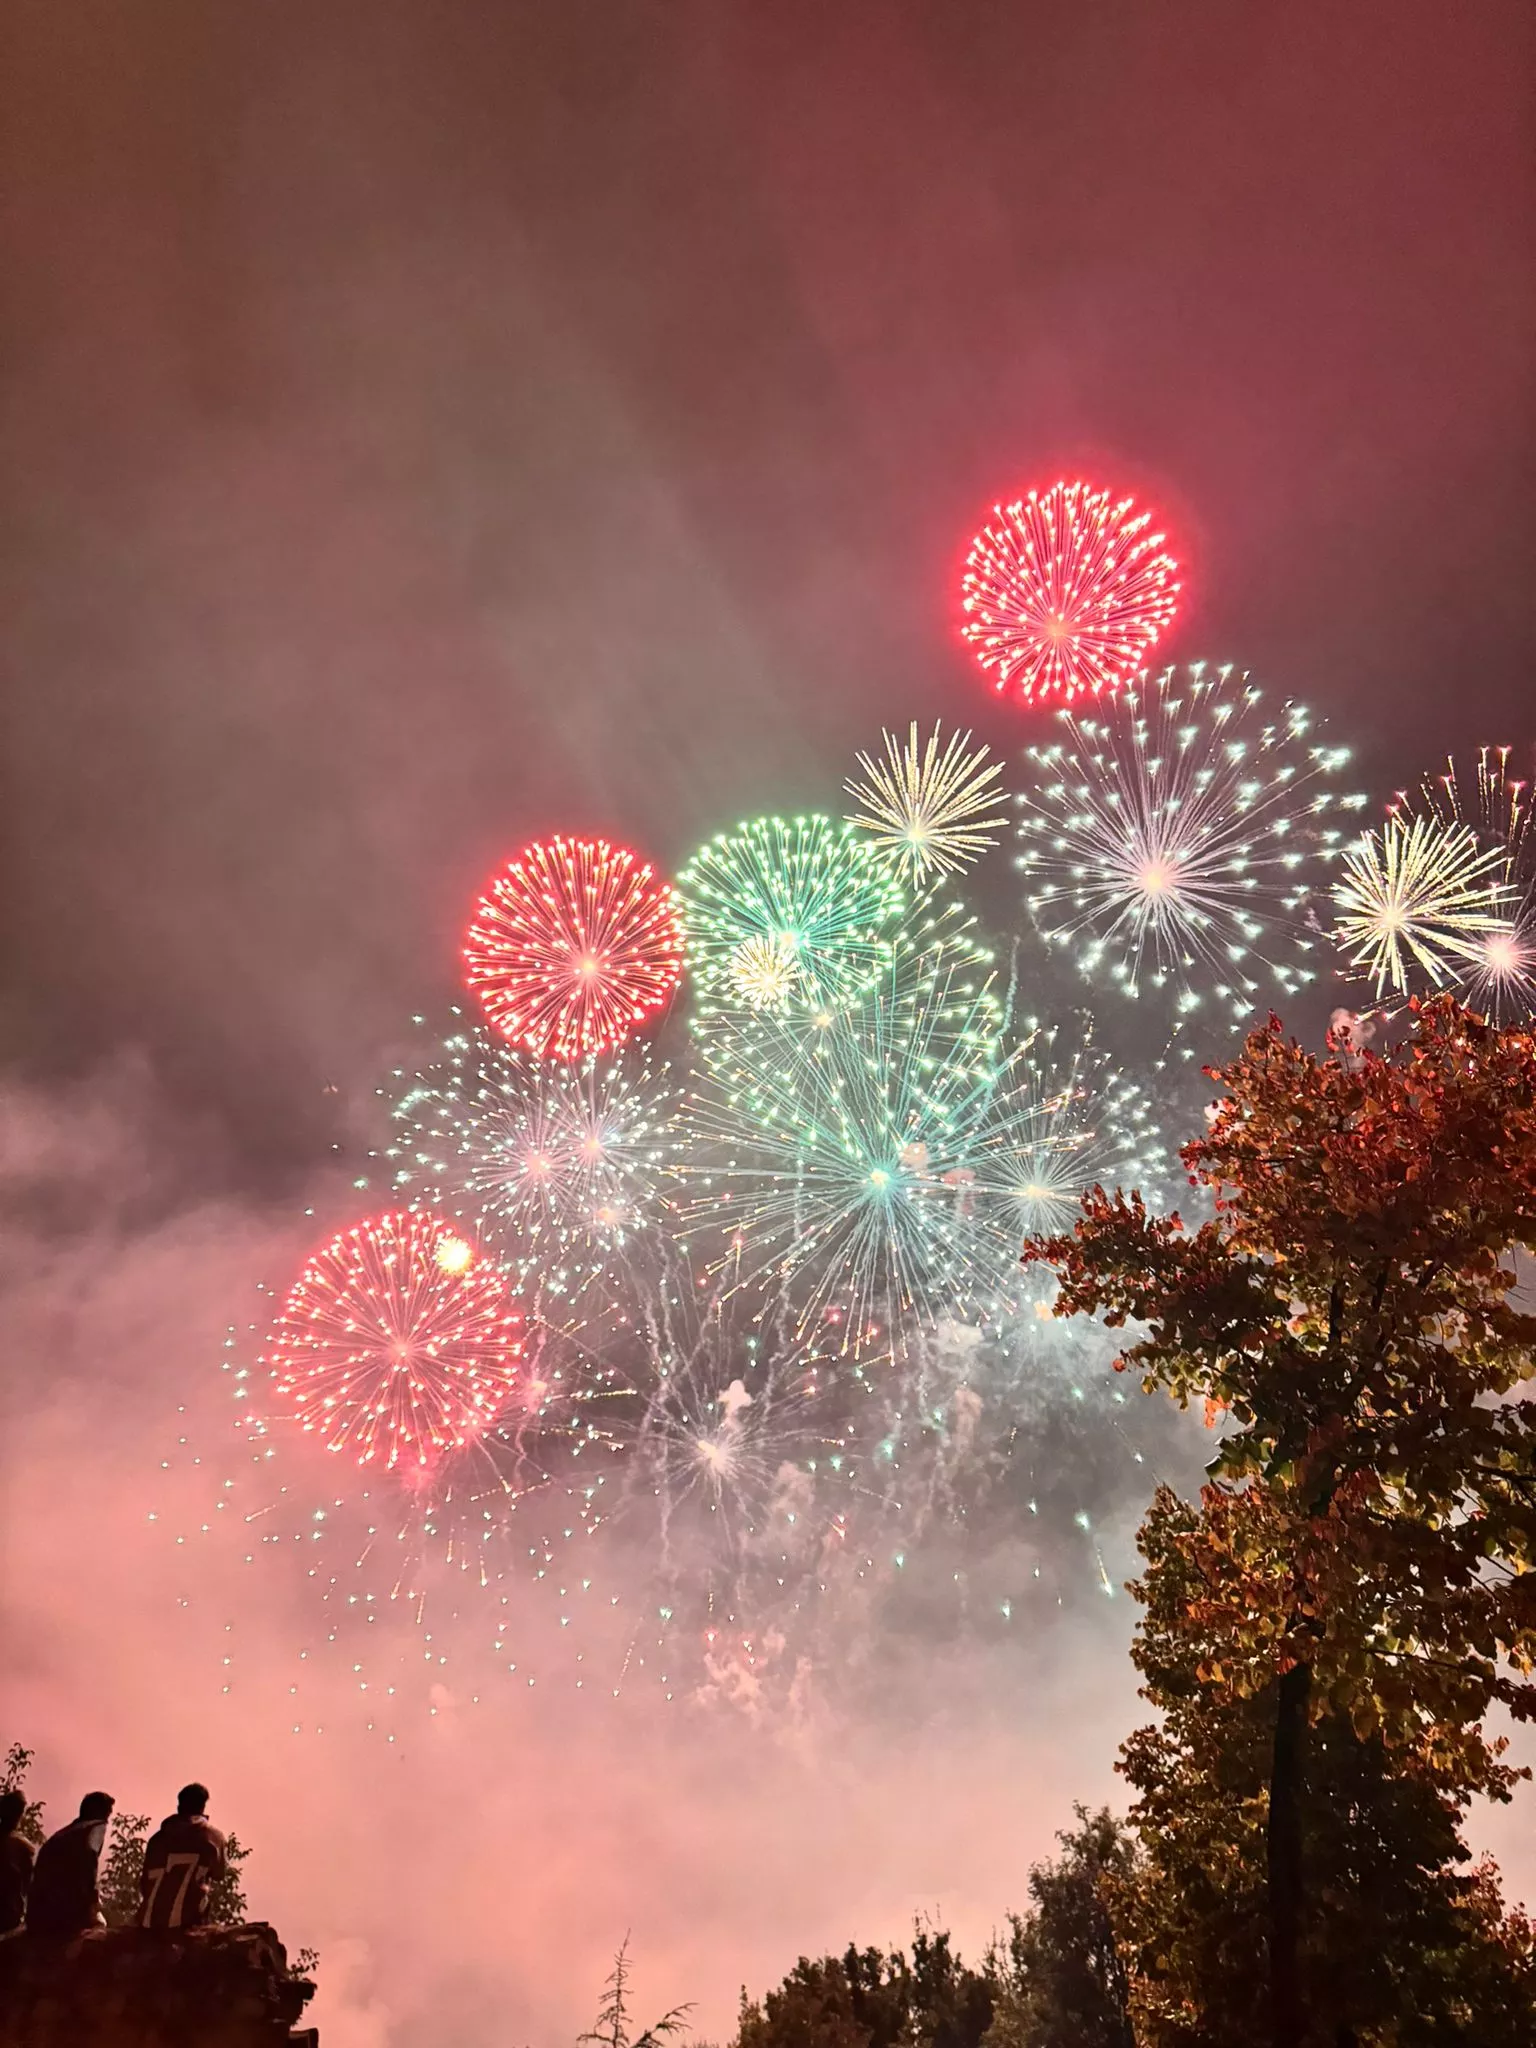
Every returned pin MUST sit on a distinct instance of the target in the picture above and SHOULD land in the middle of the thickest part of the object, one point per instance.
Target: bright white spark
(1418, 894)
(922, 806)
(763, 971)
(1072, 1120)
(1176, 842)
(1499, 972)
(538, 1152)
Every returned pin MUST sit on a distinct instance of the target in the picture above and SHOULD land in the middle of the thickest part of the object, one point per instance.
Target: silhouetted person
(17, 1857)
(184, 1856)
(63, 1900)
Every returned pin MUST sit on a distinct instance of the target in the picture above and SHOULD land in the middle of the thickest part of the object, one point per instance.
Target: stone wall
(214, 1987)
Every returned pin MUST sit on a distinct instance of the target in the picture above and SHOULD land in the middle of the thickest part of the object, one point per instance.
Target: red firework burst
(1065, 592)
(396, 1343)
(573, 945)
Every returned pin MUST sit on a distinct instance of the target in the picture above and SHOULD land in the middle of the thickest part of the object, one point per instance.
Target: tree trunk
(1287, 1778)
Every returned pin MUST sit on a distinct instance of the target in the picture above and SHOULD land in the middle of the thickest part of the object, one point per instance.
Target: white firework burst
(546, 1157)
(1066, 1121)
(1178, 842)
(743, 1462)
(763, 972)
(1419, 897)
(739, 1431)
(923, 806)
(1498, 974)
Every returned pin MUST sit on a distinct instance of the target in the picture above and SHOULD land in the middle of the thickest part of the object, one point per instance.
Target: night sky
(431, 425)
(426, 425)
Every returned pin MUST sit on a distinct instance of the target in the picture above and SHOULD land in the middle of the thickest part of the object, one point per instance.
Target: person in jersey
(17, 1857)
(63, 1899)
(185, 1855)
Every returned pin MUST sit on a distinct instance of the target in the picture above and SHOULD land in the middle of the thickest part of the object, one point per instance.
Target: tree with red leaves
(1365, 1551)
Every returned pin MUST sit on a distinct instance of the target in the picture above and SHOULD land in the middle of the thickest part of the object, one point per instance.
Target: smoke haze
(426, 426)
(466, 1859)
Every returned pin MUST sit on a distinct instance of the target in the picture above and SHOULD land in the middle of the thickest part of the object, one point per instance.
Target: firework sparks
(840, 1158)
(1178, 843)
(549, 1160)
(935, 965)
(393, 1347)
(1419, 895)
(575, 943)
(1067, 1121)
(922, 806)
(763, 973)
(515, 1496)
(783, 912)
(1010, 1442)
(737, 1437)
(1498, 969)
(1066, 592)
(764, 1329)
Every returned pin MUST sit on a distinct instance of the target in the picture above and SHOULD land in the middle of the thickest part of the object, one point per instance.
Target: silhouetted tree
(610, 2029)
(1410, 1948)
(118, 1882)
(1058, 1981)
(951, 2004)
(13, 1778)
(866, 1998)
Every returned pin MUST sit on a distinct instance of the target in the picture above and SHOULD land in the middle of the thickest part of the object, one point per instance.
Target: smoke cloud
(465, 1854)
